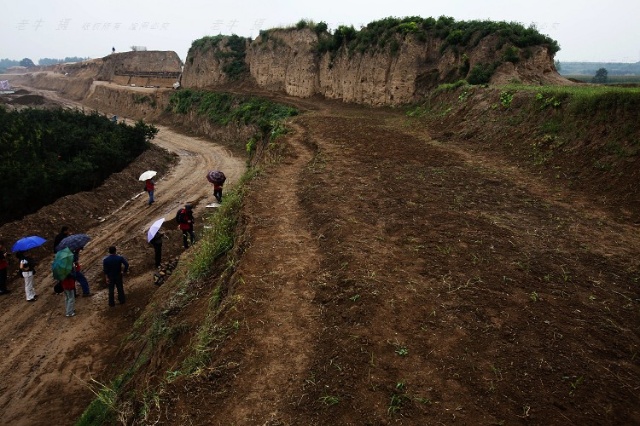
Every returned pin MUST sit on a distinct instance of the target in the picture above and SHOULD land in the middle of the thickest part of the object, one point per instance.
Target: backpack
(181, 216)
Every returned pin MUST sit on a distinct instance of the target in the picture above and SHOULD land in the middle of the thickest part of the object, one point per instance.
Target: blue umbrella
(73, 242)
(27, 243)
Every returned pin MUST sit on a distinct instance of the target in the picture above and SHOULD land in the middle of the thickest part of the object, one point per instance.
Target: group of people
(114, 265)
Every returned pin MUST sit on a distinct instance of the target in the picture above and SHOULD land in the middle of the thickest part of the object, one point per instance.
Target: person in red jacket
(185, 220)
(69, 288)
(150, 187)
(3, 270)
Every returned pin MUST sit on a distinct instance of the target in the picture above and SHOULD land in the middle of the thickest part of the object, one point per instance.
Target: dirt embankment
(590, 148)
(384, 276)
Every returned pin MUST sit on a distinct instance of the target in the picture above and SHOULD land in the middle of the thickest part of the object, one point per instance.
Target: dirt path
(44, 353)
(443, 285)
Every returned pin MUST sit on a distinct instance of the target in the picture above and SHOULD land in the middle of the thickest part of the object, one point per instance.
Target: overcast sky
(587, 30)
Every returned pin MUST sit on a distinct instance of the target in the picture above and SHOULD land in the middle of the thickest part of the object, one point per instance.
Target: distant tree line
(26, 62)
(51, 61)
(590, 68)
(47, 154)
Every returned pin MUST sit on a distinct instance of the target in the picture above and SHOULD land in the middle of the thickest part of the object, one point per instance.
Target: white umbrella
(154, 229)
(147, 175)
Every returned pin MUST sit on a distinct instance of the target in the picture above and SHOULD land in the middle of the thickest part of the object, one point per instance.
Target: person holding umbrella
(154, 237)
(27, 265)
(27, 269)
(217, 178)
(64, 233)
(75, 243)
(149, 184)
(113, 267)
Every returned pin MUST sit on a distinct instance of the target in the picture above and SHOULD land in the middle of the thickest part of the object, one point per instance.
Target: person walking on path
(185, 220)
(4, 265)
(64, 233)
(114, 266)
(69, 289)
(79, 276)
(150, 186)
(156, 242)
(217, 191)
(28, 270)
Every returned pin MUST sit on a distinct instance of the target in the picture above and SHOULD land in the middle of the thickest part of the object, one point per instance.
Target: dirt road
(46, 355)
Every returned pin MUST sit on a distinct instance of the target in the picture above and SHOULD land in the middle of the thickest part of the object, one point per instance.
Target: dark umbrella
(73, 242)
(216, 176)
(27, 243)
(62, 264)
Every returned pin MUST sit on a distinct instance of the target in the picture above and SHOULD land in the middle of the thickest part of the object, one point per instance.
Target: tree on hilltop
(26, 62)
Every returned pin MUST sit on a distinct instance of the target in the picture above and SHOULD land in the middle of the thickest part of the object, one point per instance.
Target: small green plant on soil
(398, 398)
(534, 296)
(506, 98)
(573, 385)
(402, 351)
(547, 101)
(329, 400)
(464, 95)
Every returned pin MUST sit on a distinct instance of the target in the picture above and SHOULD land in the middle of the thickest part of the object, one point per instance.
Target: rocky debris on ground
(164, 271)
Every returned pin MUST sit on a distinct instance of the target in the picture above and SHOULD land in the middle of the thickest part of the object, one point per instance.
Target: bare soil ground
(386, 278)
(48, 358)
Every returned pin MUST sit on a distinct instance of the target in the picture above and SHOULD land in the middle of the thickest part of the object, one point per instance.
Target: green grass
(217, 240)
(611, 79)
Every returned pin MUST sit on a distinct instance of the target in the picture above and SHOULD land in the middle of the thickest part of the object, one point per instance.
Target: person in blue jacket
(114, 266)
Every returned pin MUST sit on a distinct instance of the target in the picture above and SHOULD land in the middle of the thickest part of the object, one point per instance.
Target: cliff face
(288, 61)
(203, 69)
(146, 68)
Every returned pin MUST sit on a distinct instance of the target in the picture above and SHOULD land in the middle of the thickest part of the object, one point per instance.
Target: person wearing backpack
(185, 220)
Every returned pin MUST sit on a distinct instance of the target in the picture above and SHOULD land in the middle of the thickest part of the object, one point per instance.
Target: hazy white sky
(587, 30)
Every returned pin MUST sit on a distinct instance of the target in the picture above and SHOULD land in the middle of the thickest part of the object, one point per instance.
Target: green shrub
(233, 58)
(61, 152)
(463, 34)
(226, 108)
(480, 74)
(511, 54)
